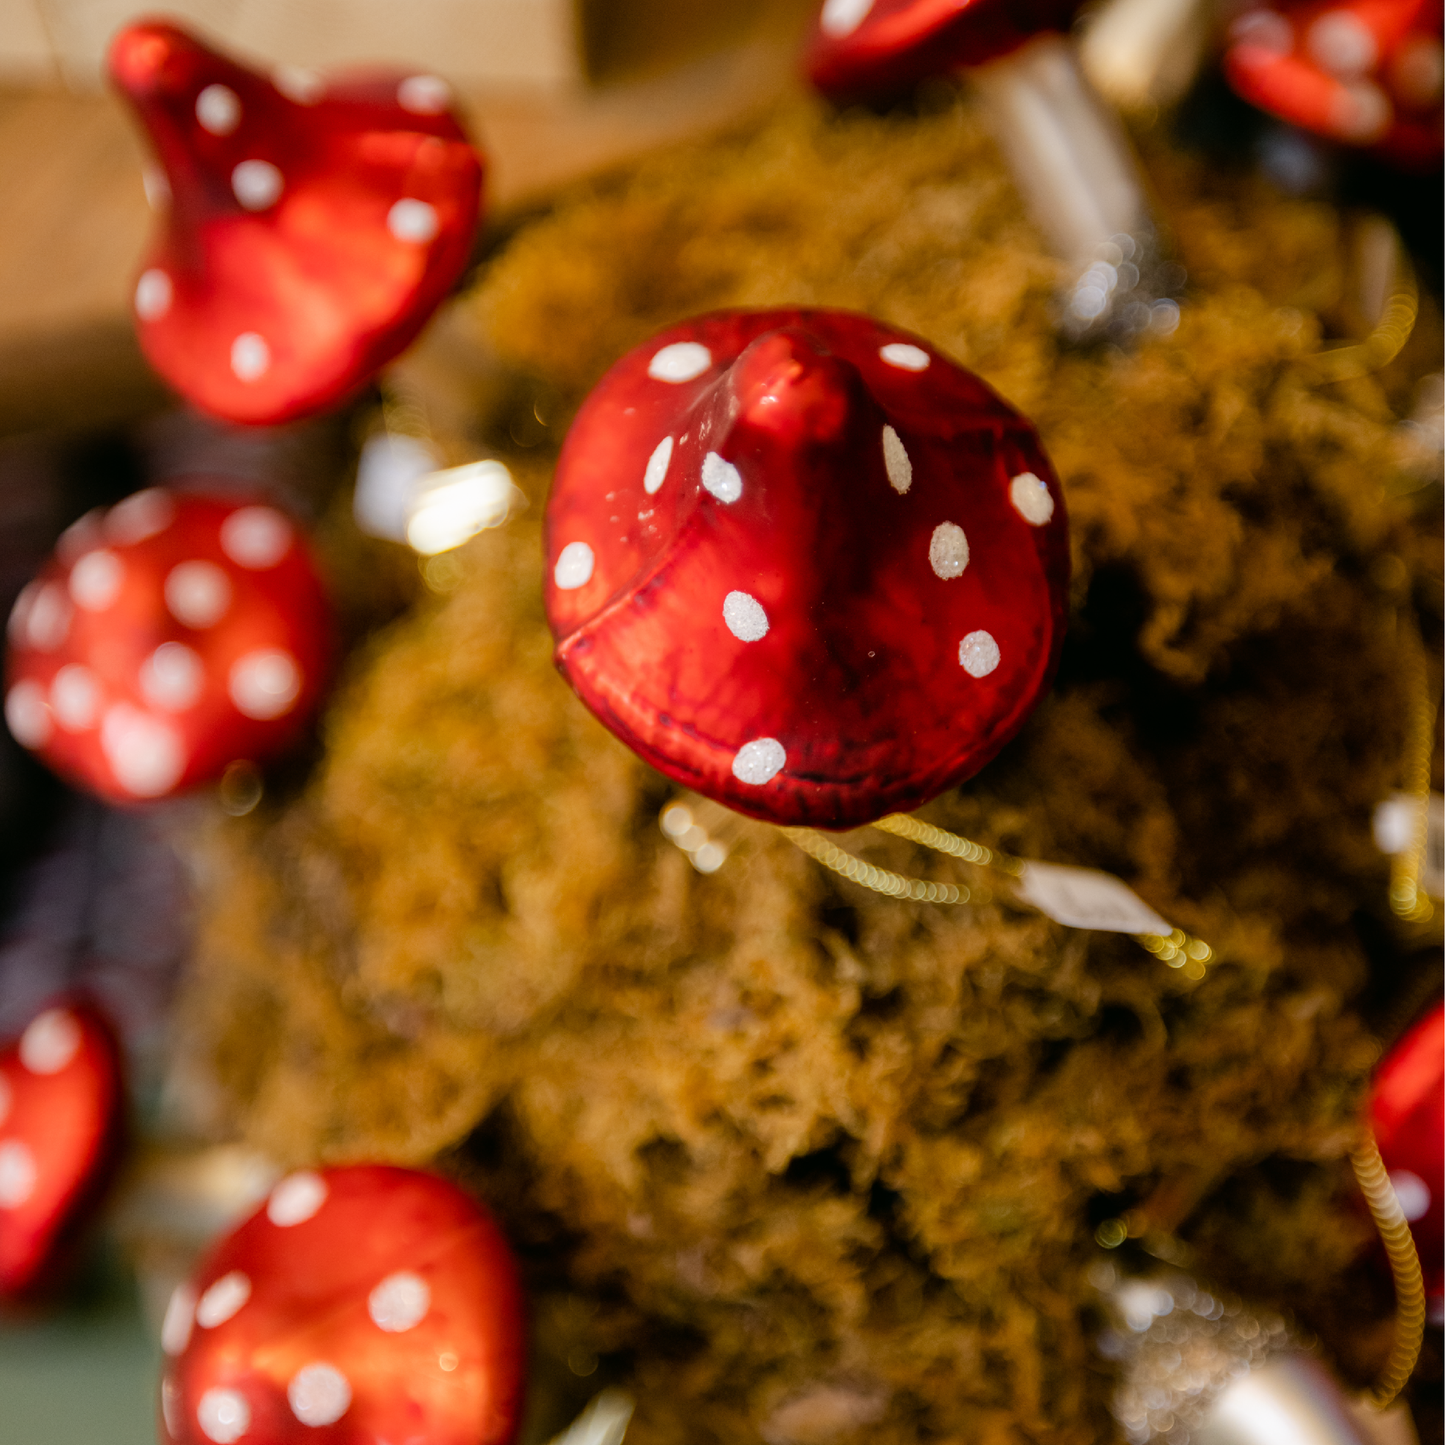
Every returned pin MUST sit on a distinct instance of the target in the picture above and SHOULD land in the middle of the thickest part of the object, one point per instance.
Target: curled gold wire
(1382, 345)
(880, 880)
(1407, 898)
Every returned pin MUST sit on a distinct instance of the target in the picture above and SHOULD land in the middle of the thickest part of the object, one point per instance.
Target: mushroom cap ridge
(874, 676)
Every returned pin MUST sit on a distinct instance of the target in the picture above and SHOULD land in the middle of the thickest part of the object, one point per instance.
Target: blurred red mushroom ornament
(60, 1128)
(359, 1304)
(308, 227)
(1367, 74)
(1069, 156)
(804, 565)
(168, 637)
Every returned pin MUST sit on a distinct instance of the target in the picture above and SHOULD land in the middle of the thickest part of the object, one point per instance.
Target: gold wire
(880, 880)
(1399, 1245)
(1382, 345)
(1407, 898)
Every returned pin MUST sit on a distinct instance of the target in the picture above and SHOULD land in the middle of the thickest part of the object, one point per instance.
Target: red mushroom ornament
(308, 227)
(60, 1127)
(168, 637)
(805, 565)
(358, 1305)
(1407, 1112)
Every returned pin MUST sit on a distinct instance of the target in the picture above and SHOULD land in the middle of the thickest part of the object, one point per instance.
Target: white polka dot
(223, 1299)
(172, 677)
(47, 620)
(1362, 114)
(574, 566)
(682, 361)
(721, 478)
(319, 1394)
(1266, 29)
(424, 94)
(147, 756)
(27, 715)
(7, 1097)
(75, 698)
(265, 684)
(256, 537)
(223, 1415)
(759, 761)
(157, 186)
(1031, 498)
(198, 594)
(657, 464)
(218, 108)
(978, 654)
(180, 1317)
(80, 536)
(295, 1199)
(948, 550)
(153, 294)
(413, 221)
(399, 1302)
(905, 357)
(304, 87)
(250, 356)
(20, 612)
(50, 1042)
(17, 1174)
(171, 1407)
(840, 18)
(1412, 1192)
(139, 517)
(1342, 44)
(95, 580)
(745, 617)
(896, 459)
(257, 185)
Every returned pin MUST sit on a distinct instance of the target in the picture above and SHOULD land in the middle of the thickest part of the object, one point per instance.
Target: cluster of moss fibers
(805, 1162)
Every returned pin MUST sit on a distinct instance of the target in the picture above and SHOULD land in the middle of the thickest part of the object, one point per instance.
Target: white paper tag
(1087, 898)
(1395, 822)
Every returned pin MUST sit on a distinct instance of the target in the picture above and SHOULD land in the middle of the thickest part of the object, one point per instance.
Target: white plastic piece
(1087, 898)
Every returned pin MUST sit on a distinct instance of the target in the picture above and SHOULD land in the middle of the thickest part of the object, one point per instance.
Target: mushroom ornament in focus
(60, 1127)
(357, 1305)
(804, 565)
(172, 635)
(308, 227)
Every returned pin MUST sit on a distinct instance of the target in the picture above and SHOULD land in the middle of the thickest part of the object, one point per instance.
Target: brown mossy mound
(808, 1162)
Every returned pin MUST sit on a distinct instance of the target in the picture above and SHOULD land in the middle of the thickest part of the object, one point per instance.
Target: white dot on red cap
(1031, 498)
(156, 184)
(20, 612)
(153, 294)
(682, 361)
(257, 185)
(50, 1042)
(574, 566)
(75, 697)
(250, 356)
(80, 536)
(295, 1199)
(223, 1415)
(1342, 44)
(17, 1174)
(147, 756)
(318, 1394)
(413, 220)
(180, 1316)
(948, 550)
(399, 1302)
(759, 761)
(223, 1300)
(140, 516)
(256, 537)
(172, 677)
(978, 654)
(27, 715)
(265, 684)
(1412, 1194)
(721, 478)
(171, 1407)
(298, 84)
(905, 357)
(197, 593)
(218, 108)
(424, 94)
(7, 1097)
(1361, 113)
(47, 618)
(96, 579)
(1265, 29)
(745, 617)
(897, 461)
(657, 464)
(840, 18)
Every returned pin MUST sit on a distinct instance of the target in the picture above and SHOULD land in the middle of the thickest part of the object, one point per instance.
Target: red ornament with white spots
(168, 637)
(60, 1130)
(805, 565)
(358, 1305)
(308, 226)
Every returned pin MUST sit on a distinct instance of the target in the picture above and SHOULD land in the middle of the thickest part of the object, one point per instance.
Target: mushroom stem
(1076, 170)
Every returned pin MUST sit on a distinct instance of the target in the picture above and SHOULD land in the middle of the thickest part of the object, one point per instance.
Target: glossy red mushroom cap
(805, 565)
(861, 48)
(168, 637)
(60, 1124)
(1366, 73)
(311, 227)
(358, 1305)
